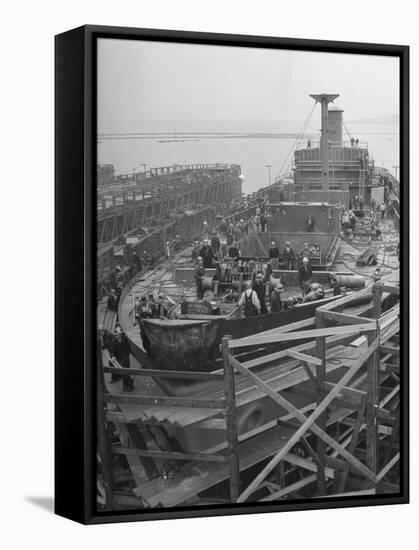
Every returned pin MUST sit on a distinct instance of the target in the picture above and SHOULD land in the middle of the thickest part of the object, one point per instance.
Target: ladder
(361, 192)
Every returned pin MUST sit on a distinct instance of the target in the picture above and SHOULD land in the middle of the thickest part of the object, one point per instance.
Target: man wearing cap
(207, 254)
(250, 301)
(289, 256)
(199, 276)
(316, 293)
(259, 288)
(162, 310)
(276, 301)
(304, 275)
(274, 255)
(120, 350)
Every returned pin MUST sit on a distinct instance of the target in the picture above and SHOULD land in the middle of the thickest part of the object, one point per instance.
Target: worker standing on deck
(234, 252)
(289, 256)
(274, 255)
(305, 252)
(207, 254)
(120, 350)
(199, 276)
(304, 275)
(276, 301)
(161, 308)
(152, 306)
(215, 242)
(316, 293)
(113, 300)
(250, 301)
(310, 223)
(260, 289)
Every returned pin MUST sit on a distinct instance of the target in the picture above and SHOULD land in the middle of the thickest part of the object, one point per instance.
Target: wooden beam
(290, 489)
(345, 318)
(307, 423)
(156, 373)
(388, 288)
(231, 422)
(302, 335)
(200, 457)
(388, 467)
(303, 357)
(158, 400)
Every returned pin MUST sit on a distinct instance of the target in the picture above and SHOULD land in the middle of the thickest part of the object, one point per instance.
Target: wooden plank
(389, 288)
(390, 349)
(345, 318)
(306, 422)
(231, 422)
(158, 400)
(290, 489)
(321, 392)
(371, 408)
(156, 373)
(307, 464)
(169, 455)
(302, 335)
(303, 357)
(388, 467)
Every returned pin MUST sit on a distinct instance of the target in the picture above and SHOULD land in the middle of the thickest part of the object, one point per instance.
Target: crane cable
(298, 138)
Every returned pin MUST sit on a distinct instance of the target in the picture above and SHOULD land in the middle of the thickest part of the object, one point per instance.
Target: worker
(304, 275)
(276, 301)
(136, 262)
(263, 222)
(289, 256)
(305, 252)
(195, 251)
(207, 254)
(234, 252)
(152, 306)
(215, 242)
(274, 255)
(352, 220)
(260, 289)
(205, 230)
(249, 299)
(105, 337)
(161, 308)
(223, 249)
(199, 276)
(314, 294)
(113, 300)
(310, 223)
(120, 351)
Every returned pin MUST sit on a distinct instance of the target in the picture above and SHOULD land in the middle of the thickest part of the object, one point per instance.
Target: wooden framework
(334, 445)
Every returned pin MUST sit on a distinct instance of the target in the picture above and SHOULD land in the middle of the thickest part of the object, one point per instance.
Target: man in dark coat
(120, 350)
(259, 288)
(289, 256)
(234, 252)
(207, 254)
(304, 275)
(199, 275)
(276, 302)
(274, 255)
(215, 243)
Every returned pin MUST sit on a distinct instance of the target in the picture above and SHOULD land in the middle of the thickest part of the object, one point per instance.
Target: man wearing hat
(289, 256)
(259, 288)
(276, 302)
(120, 350)
(199, 276)
(316, 293)
(274, 255)
(207, 254)
(250, 301)
(304, 275)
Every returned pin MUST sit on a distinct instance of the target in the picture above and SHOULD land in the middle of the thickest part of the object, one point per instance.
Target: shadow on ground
(46, 503)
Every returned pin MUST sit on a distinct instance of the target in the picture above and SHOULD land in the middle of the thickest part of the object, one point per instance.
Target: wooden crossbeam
(290, 489)
(307, 423)
(301, 335)
(158, 400)
(344, 318)
(169, 455)
(303, 357)
(156, 373)
(390, 349)
(388, 288)
(388, 467)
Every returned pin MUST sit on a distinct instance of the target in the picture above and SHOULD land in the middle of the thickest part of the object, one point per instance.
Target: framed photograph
(232, 288)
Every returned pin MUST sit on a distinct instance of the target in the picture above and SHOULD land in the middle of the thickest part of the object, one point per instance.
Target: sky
(156, 86)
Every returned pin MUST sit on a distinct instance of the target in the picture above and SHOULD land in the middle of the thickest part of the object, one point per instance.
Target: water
(251, 153)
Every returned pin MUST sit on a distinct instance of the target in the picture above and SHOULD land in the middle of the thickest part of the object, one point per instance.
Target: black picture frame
(75, 270)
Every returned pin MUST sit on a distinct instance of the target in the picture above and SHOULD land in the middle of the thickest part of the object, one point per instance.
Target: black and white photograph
(248, 275)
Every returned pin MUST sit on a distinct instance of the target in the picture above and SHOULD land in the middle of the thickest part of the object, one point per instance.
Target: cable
(299, 136)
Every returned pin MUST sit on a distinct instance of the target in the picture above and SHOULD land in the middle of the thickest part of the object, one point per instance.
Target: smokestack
(335, 125)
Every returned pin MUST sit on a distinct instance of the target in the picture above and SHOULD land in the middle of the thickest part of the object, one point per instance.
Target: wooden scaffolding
(342, 442)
